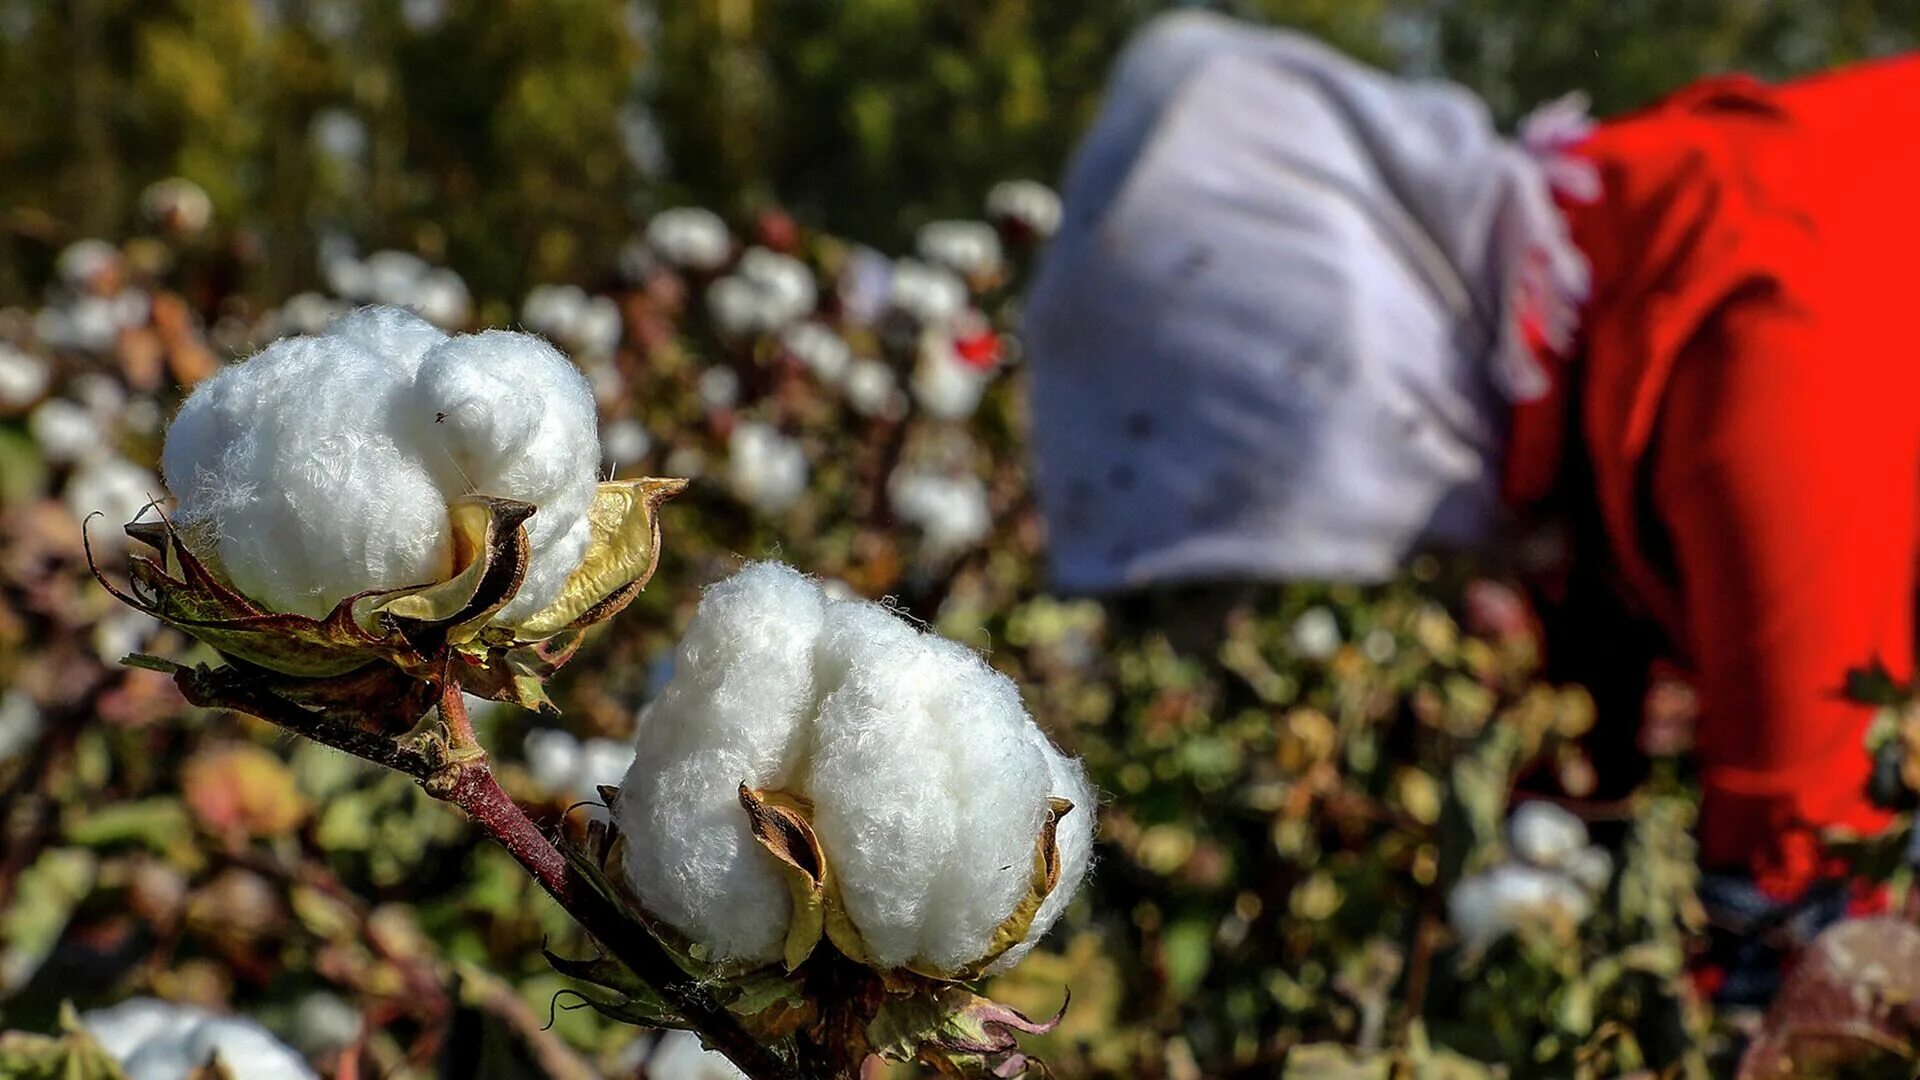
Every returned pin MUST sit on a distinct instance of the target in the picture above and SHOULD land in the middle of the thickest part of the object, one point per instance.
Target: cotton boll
(1545, 835)
(122, 631)
(324, 1023)
(765, 468)
(1028, 203)
(685, 462)
(158, 1040)
(347, 276)
(873, 391)
(690, 237)
(603, 763)
(735, 712)
(950, 512)
(24, 377)
(679, 1056)
(1592, 867)
(968, 248)
(737, 308)
(504, 414)
(1379, 645)
(927, 780)
(113, 487)
(177, 205)
(784, 281)
(393, 276)
(289, 469)
(83, 263)
(306, 313)
(1486, 907)
(944, 385)
(624, 442)
(865, 286)
(441, 298)
(393, 334)
(65, 431)
(824, 352)
(596, 330)
(933, 295)
(20, 722)
(553, 757)
(719, 388)
(551, 310)
(1316, 634)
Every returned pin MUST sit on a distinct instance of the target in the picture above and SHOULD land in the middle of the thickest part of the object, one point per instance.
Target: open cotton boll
(393, 276)
(968, 248)
(177, 205)
(82, 262)
(928, 780)
(1028, 203)
(690, 237)
(441, 297)
(719, 388)
(766, 469)
(159, 1040)
(65, 431)
(1485, 907)
(865, 286)
(304, 313)
(679, 1056)
(122, 631)
(1068, 780)
(324, 466)
(24, 377)
(931, 294)
(113, 487)
(1316, 634)
(553, 758)
(550, 310)
(824, 352)
(1545, 835)
(20, 722)
(950, 512)
(624, 442)
(946, 386)
(874, 391)
(738, 308)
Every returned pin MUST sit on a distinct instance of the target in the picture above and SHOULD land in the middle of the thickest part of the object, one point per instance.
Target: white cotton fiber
(113, 487)
(928, 780)
(159, 1040)
(946, 386)
(766, 469)
(1485, 907)
(1028, 203)
(65, 431)
(950, 511)
(1546, 835)
(873, 391)
(323, 466)
(824, 352)
(968, 248)
(690, 237)
(934, 295)
(24, 377)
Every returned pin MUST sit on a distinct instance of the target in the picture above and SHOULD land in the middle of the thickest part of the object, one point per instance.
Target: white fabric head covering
(1279, 331)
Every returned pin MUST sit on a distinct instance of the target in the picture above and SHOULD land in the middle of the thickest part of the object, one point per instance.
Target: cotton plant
(823, 797)
(1552, 879)
(160, 1040)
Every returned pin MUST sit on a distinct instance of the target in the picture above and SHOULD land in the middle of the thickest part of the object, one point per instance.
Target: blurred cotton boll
(24, 377)
(1316, 634)
(66, 431)
(946, 386)
(159, 1040)
(624, 442)
(303, 313)
(822, 351)
(968, 248)
(178, 206)
(932, 295)
(691, 238)
(765, 469)
(679, 1056)
(552, 310)
(1028, 204)
(1485, 907)
(1545, 835)
(928, 781)
(113, 487)
(950, 512)
(784, 283)
(873, 391)
(719, 388)
(441, 298)
(20, 722)
(864, 287)
(324, 466)
(90, 266)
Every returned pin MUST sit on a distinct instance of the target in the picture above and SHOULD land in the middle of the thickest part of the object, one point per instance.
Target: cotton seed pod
(945, 833)
(1545, 835)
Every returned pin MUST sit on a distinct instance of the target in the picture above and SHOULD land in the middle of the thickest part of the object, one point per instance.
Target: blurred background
(781, 240)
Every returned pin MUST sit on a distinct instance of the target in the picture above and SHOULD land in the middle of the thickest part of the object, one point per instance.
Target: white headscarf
(1279, 331)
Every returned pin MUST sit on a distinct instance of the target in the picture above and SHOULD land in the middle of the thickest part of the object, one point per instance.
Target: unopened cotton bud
(927, 779)
(1485, 907)
(873, 390)
(1027, 203)
(968, 248)
(1545, 835)
(65, 431)
(24, 377)
(160, 1040)
(690, 237)
(1316, 634)
(766, 469)
(324, 466)
(624, 442)
(946, 386)
(824, 352)
(933, 295)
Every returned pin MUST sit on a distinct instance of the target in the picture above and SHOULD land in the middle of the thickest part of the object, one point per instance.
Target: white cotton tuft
(160, 1040)
(24, 377)
(113, 487)
(928, 780)
(766, 292)
(933, 295)
(65, 431)
(690, 237)
(1546, 835)
(679, 1056)
(766, 469)
(624, 442)
(950, 512)
(873, 391)
(824, 352)
(968, 248)
(1485, 907)
(1028, 203)
(323, 466)
(947, 387)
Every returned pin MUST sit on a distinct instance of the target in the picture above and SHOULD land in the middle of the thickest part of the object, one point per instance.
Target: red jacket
(1749, 408)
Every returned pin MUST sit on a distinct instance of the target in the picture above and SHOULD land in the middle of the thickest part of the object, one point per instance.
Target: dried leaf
(779, 822)
(620, 557)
